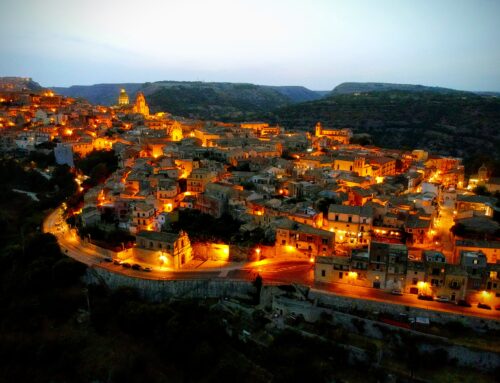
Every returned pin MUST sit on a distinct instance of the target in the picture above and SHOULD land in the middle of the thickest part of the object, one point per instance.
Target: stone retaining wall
(159, 290)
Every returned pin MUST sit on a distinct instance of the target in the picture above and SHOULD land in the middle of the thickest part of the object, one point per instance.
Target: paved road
(72, 246)
(405, 299)
(284, 271)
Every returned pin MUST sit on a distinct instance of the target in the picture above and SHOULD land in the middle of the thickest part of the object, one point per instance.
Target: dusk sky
(318, 44)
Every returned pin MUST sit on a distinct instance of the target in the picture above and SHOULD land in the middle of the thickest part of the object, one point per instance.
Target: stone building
(295, 239)
(341, 136)
(352, 224)
(171, 250)
(199, 178)
(388, 264)
(143, 215)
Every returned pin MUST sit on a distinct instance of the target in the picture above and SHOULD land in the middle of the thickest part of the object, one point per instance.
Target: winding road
(272, 271)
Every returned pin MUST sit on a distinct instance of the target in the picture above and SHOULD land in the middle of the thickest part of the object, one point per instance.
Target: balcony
(454, 286)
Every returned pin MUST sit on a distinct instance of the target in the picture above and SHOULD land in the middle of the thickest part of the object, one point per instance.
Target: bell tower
(359, 164)
(318, 130)
(140, 104)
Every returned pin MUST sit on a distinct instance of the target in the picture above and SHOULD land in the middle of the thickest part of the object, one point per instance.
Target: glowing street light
(163, 259)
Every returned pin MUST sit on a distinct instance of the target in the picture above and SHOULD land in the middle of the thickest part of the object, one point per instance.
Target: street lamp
(163, 258)
(257, 252)
(484, 296)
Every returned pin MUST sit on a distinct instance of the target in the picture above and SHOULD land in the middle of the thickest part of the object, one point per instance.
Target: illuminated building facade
(388, 265)
(340, 136)
(199, 178)
(297, 239)
(140, 105)
(170, 250)
(352, 224)
(143, 215)
(123, 97)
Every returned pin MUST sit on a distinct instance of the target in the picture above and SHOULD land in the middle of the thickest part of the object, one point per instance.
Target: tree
(66, 271)
(257, 283)
(481, 190)
(459, 230)
(323, 205)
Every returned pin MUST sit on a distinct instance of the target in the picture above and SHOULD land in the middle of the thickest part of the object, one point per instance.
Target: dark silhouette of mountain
(210, 100)
(461, 124)
(442, 120)
(103, 94)
(300, 93)
(364, 87)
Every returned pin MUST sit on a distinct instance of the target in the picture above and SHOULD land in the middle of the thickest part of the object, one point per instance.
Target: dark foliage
(204, 227)
(456, 124)
(98, 165)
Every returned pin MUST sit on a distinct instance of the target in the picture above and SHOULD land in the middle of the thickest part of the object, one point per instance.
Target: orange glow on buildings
(163, 259)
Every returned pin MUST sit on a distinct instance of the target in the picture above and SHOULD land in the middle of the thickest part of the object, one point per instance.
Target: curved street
(272, 271)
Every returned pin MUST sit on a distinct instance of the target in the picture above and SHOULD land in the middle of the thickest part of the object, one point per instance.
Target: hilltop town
(407, 222)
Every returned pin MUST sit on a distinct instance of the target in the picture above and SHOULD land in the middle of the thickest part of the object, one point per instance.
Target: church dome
(123, 97)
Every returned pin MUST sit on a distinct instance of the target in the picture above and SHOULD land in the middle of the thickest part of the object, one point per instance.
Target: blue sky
(318, 44)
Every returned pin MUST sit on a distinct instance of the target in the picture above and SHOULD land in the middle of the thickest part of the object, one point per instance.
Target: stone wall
(340, 302)
(464, 356)
(102, 251)
(159, 290)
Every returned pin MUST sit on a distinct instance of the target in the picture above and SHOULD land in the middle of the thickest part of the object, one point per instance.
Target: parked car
(483, 306)
(108, 259)
(425, 297)
(116, 262)
(148, 269)
(136, 266)
(396, 292)
(443, 299)
(126, 265)
(463, 303)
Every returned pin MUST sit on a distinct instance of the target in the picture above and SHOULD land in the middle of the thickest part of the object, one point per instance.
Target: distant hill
(300, 93)
(364, 87)
(456, 123)
(490, 94)
(19, 84)
(444, 121)
(204, 100)
(103, 94)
